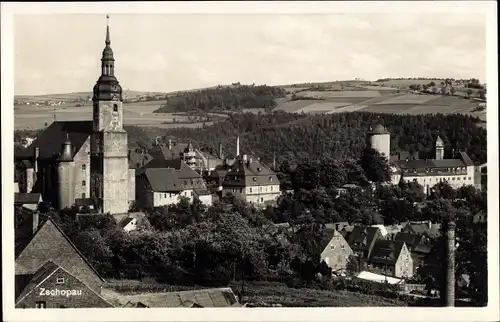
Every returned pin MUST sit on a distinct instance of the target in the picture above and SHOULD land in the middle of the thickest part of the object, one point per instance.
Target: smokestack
(221, 156)
(449, 294)
(36, 221)
(238, 146)
(37, 155)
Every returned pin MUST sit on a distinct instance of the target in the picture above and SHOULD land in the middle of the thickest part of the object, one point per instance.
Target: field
(140, 114)
(379, 101)
(268, 292)
(332, 97)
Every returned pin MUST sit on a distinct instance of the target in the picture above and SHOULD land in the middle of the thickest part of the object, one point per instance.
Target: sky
(60, 53)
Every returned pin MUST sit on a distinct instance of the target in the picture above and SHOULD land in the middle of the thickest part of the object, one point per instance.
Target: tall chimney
(238, 146)
(221, 156)
(37, 155)
(449, 294)
(36, 221)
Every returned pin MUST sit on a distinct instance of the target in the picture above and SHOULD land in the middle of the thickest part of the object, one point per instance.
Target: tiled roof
(41, 274)
(362, 237)
(27, 235)
(463, 161)
(27, 198)
(49, 141)
(386, 251)
(422, 229)
(217, 297)
(249, 173)
(163, 179)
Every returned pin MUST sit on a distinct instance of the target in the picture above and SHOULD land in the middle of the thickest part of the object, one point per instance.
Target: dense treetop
(224, 98)
(293, 137)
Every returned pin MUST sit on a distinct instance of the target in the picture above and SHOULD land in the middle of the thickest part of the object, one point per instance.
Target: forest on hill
(297, 137)
(223, 98)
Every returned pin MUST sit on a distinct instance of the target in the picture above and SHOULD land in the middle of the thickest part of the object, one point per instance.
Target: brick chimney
(448, 296)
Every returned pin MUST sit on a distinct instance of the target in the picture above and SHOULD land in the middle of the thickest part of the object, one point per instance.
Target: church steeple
(107, 87)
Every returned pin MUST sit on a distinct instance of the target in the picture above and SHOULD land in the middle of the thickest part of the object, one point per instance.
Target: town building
(28, 200)
(458, 171)
(419, 245)
(163, 182)
(337, 253)
(84, 159)
(54, 287)
(39, 240)
(362, 239)
(195, 158)
(251, 180)
(391, 258)
(426, 228)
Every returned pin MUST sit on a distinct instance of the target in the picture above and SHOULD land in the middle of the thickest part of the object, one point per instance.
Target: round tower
(66, 184)
(380, 139)
(439, 149)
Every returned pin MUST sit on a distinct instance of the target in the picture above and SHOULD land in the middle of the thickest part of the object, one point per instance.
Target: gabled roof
(362, 237)
(125, 222)
(50, 140)
(27, 198)
(50, 221)
(41, 275)
(249, 173)
(163, 180)
(386, 251)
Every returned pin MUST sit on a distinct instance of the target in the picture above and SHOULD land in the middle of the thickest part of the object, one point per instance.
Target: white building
(252, 181)
(164, 182)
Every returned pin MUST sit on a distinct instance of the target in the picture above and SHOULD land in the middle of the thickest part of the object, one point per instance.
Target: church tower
(109, 159)
(439, 149)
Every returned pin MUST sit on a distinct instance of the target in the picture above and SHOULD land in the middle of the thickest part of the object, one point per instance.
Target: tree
(374, 166)
(443, 190)
(453, 90)
(469, 93)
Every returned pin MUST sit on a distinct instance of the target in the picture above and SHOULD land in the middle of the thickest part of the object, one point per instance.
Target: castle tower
(439, 149)
(380, 139)
(65, 175)
(109, 159)
(449, 269)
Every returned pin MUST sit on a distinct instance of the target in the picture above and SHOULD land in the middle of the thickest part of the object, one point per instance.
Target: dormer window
(270, 178)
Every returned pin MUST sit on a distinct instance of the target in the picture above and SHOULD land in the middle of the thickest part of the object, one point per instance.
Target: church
(75, 160)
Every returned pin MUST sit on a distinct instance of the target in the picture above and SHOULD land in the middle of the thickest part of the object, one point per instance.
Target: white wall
(455, 181)
(381, 143)
(255, 194)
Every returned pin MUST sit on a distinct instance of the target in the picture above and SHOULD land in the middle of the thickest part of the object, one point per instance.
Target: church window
(115, 107)
(84, 183)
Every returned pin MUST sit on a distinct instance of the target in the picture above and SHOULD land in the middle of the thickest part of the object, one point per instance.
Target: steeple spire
(108, 39)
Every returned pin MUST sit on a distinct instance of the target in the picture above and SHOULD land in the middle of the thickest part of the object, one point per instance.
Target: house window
(261, 199)
(60, 280)
(83, 195)
(250, 189)
(84, 167)
(469, 178)
(332, 247)
(342, 246)
(84, 183)
(40, 305)
(115, 107)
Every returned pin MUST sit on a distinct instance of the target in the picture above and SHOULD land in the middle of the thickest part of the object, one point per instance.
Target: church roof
(49, 141)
